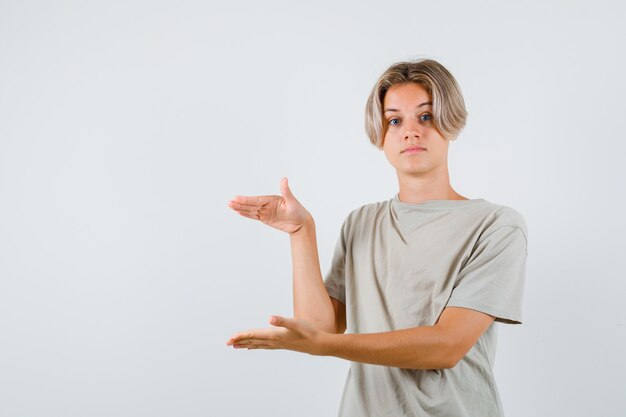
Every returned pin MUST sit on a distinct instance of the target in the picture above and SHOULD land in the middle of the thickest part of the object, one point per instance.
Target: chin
(411, 172)
(416, 168)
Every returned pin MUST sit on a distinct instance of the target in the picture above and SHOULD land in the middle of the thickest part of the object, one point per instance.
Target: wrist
(307, 227)
(328, 343)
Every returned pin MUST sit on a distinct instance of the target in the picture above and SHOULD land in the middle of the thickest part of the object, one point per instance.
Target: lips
(414, 149)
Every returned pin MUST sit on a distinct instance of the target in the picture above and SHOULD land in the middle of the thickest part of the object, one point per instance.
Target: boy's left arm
(424, 347)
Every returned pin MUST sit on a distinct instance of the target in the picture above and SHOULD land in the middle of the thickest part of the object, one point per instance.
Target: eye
(394, 122)
(427, 115)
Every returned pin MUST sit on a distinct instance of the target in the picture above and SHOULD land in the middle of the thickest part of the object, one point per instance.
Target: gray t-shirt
(398, 265)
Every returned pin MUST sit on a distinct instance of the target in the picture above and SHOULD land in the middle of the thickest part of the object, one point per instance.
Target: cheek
(389, 140)
(440, 151)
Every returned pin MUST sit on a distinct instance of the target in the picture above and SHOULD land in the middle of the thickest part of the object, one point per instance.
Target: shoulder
(502, 215)
(367, 211)
(365, 214)
(498, 217)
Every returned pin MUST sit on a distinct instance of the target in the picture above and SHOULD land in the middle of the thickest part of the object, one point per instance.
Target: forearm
(310, 297)
(424, 347)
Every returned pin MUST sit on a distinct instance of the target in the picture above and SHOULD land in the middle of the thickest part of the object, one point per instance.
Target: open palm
(280, 212)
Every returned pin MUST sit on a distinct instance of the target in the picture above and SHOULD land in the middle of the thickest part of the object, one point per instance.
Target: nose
(412, 132)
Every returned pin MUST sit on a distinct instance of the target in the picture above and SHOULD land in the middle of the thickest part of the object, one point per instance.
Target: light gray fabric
(398, 265)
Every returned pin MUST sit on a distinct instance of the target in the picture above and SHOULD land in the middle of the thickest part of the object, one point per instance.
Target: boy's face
(408, 119)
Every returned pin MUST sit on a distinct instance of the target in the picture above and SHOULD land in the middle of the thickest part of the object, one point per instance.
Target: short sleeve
(492, 279)
(335, 280)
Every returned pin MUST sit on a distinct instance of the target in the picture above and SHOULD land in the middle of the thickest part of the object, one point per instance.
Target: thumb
(285, 191)
(282, 322)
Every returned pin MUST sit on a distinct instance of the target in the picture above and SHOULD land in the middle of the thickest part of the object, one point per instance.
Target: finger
(286, 191)
(249, 212)
(239, 337)
(262, 347)
(283, 322)
(256, 334)
(259, 200)
(252, 344)
(243, 342)
(251, 216)
(284, 188)
(235, 205)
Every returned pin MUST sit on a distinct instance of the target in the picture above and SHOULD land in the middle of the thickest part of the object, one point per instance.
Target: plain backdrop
(125, 128)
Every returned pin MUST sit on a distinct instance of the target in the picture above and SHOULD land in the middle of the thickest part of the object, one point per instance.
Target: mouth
(414, 149)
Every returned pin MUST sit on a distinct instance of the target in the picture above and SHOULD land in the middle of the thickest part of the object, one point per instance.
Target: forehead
(408, 94)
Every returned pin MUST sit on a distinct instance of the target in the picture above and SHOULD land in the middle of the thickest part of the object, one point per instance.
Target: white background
(125, 128)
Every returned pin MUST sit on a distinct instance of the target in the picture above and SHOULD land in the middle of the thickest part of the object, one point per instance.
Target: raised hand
(280, 212)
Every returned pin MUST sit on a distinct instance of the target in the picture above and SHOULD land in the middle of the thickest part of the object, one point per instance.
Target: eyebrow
(423, 104)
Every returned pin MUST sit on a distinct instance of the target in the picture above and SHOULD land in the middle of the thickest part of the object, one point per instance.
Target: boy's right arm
(310, 297)
(311, 300)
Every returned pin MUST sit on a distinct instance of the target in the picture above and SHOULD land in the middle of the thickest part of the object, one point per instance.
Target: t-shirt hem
(501, 316)
(335, 294)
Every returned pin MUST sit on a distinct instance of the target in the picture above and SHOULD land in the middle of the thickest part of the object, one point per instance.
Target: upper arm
(340, 315)
(462, 327)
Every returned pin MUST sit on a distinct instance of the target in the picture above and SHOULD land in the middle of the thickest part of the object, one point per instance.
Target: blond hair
(449, 114)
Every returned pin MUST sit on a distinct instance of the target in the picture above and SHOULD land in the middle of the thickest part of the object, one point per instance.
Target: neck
(428, 186)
